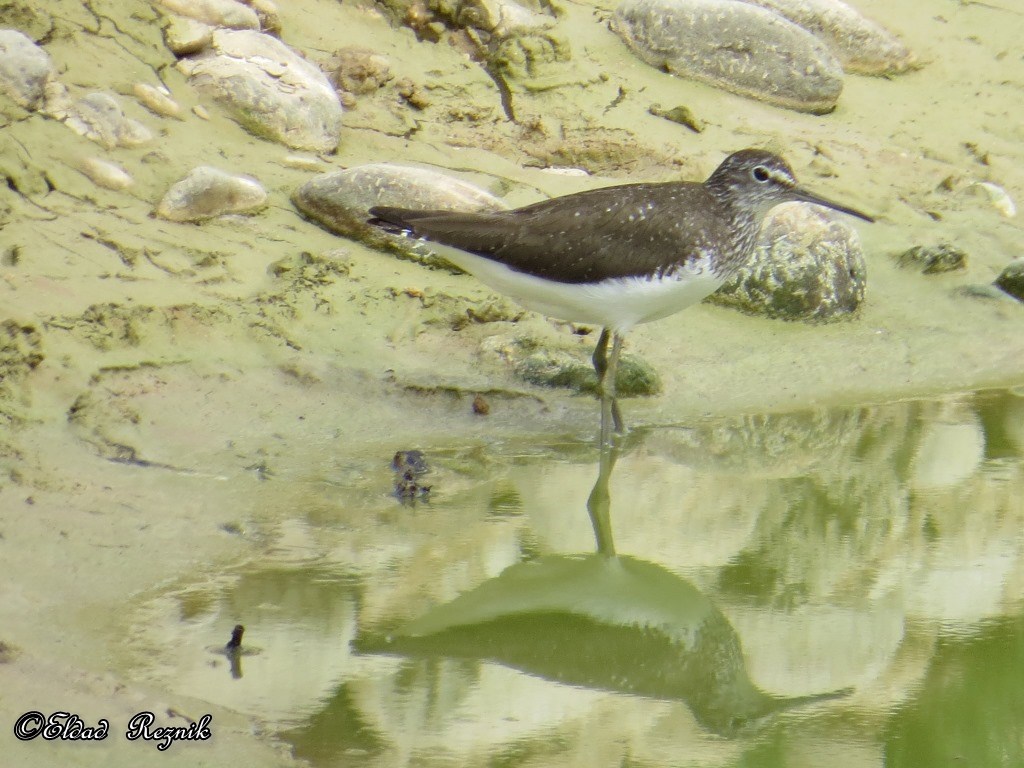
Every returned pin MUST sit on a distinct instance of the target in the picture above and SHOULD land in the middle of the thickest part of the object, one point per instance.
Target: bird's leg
(606, 371)
(612, 375)
(600, 357)
(599, 503)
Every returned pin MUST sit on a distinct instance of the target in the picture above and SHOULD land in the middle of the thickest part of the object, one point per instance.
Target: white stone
(104, 173)
(156, 100)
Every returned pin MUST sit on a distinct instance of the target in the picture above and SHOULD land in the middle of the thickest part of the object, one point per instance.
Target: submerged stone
(808, 265)
(737, 46)
(861, 45)
(268, 89)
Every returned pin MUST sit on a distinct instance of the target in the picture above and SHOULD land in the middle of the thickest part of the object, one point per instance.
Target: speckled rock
(861, 45)
(932, 259)
(808, 265)
(1011, 279)
(737, 46)
(207, 192)
(340, 201)
(99, 117)
(216, 13)
(24, 69)
(268, 88)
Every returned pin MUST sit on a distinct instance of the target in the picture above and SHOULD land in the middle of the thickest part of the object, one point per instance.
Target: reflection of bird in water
(610, 623)
(600, 621)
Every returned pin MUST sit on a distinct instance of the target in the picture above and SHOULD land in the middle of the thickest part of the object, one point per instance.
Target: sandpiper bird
(616, 256)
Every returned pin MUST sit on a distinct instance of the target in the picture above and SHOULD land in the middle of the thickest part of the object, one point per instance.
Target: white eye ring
(761, 173)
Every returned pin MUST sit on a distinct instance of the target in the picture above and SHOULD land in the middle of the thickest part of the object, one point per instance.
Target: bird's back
(613, 232)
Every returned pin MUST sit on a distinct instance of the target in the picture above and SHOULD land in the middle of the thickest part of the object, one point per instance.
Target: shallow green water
(839, 587)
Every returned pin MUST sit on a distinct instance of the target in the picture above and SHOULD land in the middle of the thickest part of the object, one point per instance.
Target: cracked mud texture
(152, 372)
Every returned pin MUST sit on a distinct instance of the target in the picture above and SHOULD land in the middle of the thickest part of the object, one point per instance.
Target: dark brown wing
(584, 237)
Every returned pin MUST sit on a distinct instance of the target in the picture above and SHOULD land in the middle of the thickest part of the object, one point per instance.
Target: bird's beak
(803, 196)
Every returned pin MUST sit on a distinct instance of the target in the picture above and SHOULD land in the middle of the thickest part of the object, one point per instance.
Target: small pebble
(201, 112)
(680, 114)
(480, 406)
(302, 162)
(157, 101)
(998, 196)
(932, 259)
(1011, 279)
(104, 173)
(358, 70)
(208, 192)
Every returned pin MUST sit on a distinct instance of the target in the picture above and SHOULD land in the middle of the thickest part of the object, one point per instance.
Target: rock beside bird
(340, 200)
(808, 265)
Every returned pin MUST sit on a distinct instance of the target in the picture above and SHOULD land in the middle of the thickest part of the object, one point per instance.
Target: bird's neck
(745, 226)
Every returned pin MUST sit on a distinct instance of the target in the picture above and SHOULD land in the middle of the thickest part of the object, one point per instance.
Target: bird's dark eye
(761, 173)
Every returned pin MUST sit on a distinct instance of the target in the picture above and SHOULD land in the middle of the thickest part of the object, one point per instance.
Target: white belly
(618, 303)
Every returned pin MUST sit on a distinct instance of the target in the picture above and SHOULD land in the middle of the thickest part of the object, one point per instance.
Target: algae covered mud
(196, 378)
